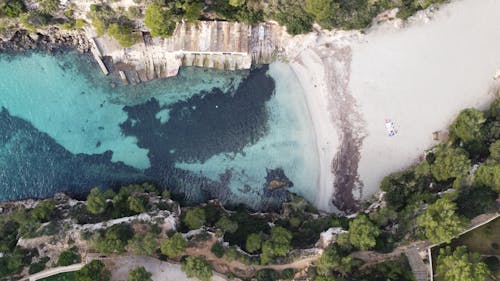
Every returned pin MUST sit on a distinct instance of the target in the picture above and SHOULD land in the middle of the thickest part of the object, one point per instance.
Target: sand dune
(420, 76)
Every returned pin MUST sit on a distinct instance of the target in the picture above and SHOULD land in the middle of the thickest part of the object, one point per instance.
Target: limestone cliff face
(209, 44)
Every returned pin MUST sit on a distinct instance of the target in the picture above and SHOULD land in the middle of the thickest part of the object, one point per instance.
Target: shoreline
(353, 82)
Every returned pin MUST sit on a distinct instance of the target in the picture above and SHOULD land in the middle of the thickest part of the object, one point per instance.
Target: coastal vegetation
(139, 274)
(461, 265)
(161, 16)
(432, 201)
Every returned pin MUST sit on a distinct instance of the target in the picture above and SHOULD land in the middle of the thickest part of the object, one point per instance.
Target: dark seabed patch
(202, 126)
(33, 165)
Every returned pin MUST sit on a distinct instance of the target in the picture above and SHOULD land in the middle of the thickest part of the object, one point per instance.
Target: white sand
(317, 99)
(419, 76)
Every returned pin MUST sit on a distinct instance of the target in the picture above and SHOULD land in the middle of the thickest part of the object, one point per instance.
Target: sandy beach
(419, 74)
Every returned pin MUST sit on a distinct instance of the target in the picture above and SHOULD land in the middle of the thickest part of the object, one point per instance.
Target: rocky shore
(52, 40)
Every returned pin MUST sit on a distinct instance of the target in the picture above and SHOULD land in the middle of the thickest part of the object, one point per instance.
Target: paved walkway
(418, 267)
(55, 271)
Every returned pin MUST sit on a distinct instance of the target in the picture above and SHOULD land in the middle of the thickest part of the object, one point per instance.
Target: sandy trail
(420, 76)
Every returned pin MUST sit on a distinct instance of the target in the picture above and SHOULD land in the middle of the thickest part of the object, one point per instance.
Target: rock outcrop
(51, 40)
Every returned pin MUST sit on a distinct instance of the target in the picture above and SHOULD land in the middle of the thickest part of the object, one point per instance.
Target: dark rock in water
(276, 184)
(277, 179)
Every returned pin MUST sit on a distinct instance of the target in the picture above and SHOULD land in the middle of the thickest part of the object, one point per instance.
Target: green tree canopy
(253, 243)
(399, 188)
(226, 224)
(334, 258)
(322, 10)
(278, 245)
(195, 218)
(197, 267)
(93, 271)
(291, 14)
(137, 203)
(96, 202)
(468, 126)
(363, 233)
(44, 210)
(488, 175)
(144, 245)
(174, 246)
(12, 8)
(123, 32)
(280, 238)
(139, 274)
(115, 239)
(460, 265)
(193, 11)
(450, 163)
(439, 222)
(495, 152)
(160, 21)
(69, 257)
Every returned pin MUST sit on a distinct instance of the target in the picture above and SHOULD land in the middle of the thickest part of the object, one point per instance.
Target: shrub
(460, 265)
(194, 218)
(12, 8)
(68, 257)
(124, 33)
(44, 210)
(139, 274)
(93, 271)
(217, 249)
(450, 163)
(36, 267)
(363, 233)
(34, 19)
(144, 245)
(197, 267)
(231, 253)
(160, 21)
(79, 24)
(439, 222)
(226, 224)
(96, 202)
(115, 239)
(137, 203)
(254, 243)
(468, 126)
(174, 246)
(291, 14)
(473, 201)
(193, 11)
(266, 275)
(492, 263)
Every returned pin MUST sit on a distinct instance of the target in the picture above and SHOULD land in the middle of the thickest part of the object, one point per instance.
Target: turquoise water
(203, 134)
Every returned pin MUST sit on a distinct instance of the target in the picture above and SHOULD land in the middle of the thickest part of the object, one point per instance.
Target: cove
(204, 134)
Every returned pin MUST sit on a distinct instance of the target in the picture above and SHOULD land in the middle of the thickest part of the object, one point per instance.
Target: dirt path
(371, 258)
(243, 270)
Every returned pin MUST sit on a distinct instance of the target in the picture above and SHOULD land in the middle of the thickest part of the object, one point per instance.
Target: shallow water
(204, 134)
